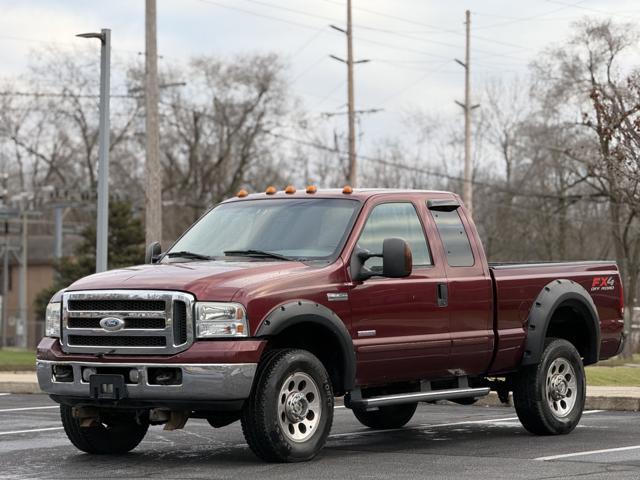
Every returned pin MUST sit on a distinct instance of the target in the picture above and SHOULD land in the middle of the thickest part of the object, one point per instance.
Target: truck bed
(516, 286)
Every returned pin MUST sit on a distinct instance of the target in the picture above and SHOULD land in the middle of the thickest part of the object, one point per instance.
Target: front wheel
(391, 416)
(289, 414)
(114, 433)
(549, 397)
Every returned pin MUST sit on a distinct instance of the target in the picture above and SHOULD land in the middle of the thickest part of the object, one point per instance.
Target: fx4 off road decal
(601, 284)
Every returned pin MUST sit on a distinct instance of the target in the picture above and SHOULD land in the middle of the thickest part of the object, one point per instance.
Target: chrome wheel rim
(299, 407)
(561, 387)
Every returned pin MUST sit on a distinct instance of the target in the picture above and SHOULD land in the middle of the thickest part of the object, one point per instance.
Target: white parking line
(30, 431)
(422, 427)
(22, 409)
(426, 426)
(590, 452)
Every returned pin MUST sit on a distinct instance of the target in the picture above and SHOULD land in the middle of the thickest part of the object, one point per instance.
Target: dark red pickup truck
(273, 304)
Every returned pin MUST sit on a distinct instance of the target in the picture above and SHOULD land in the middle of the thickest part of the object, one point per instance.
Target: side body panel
(517, 287)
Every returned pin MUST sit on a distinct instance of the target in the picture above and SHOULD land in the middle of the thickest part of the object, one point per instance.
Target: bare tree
(216, 132)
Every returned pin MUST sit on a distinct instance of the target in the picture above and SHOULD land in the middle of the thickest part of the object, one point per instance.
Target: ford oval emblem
(112, 324)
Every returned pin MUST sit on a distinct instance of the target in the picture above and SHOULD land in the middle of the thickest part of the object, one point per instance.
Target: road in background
(442, 441)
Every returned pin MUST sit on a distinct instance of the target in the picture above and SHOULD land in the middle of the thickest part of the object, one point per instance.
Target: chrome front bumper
(213, 382)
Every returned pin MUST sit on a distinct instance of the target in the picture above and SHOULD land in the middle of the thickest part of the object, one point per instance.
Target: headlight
(216, 319)
(52, 320)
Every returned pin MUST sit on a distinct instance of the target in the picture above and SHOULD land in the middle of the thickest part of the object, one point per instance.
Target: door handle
(443, 294)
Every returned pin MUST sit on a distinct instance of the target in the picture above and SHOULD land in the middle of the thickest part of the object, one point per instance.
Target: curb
(20, 387)
(593, 402)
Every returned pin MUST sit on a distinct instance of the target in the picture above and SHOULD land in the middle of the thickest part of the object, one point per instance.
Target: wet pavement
(442, 441)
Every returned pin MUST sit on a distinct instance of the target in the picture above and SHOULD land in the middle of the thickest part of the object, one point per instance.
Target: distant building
(40, 275)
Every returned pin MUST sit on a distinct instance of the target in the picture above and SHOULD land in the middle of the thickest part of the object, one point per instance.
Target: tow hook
(172, 419)
(88, 416)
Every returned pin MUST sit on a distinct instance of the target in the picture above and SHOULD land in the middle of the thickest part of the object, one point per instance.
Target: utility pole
(21, 331)
(5, 284)
(353, 166)
(57, 243)
(153, 190)
(351, 112)
(4, 194)
(467, 192)
(102, 222)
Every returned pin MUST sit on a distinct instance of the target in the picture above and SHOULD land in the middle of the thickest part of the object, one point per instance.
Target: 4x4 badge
(603, 283)
(112, 324)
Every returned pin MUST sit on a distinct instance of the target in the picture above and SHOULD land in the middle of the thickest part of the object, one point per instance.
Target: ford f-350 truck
(273, 304)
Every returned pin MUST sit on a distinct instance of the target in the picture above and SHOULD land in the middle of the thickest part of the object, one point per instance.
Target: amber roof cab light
(270, 190)
(290, 189)
(347, 189)
(242, 193)
(312, 189)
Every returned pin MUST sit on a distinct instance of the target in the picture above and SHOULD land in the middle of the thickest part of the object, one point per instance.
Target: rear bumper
(200, 382)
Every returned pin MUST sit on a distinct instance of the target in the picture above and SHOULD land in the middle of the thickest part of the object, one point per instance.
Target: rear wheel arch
(316, 328)
(563, 309)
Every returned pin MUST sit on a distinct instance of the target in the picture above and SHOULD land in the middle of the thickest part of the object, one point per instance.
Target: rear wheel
(549, 397)
(392, 416)
(289, 414)
(115, 433)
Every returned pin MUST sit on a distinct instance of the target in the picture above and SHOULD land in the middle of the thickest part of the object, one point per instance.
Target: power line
(256, 14)
(312, 39)
(404, 89)
(7, 93)
(591, 9)
(531, 17)
(435, 28)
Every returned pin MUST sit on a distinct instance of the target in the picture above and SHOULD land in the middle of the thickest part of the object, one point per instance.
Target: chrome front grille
(154, 322)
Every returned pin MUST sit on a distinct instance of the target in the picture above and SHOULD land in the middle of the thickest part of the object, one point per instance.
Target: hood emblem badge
(112, 324)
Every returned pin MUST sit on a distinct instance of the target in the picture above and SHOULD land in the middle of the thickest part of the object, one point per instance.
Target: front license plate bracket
(107, 387)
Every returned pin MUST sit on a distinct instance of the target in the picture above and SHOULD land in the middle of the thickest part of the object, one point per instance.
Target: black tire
(117, 433)
(533, 393)
(265, 429)
(392, 416)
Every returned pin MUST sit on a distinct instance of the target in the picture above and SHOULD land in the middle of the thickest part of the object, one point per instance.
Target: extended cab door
(470, 295)
(399, 330)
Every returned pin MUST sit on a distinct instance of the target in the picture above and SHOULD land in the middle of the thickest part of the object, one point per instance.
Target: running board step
(428, 396)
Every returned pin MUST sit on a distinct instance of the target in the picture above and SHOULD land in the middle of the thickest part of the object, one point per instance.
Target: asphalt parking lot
(442, 441)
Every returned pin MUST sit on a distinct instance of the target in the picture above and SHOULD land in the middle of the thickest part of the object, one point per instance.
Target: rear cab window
(454, 237)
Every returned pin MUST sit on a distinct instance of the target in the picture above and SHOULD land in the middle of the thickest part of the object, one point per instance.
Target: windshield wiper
(192, 255)
(256, 253)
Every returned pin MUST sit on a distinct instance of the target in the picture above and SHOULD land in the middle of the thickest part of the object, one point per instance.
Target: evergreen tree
(126, 248)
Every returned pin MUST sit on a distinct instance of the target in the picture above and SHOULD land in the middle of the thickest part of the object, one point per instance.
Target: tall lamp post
(102, 229)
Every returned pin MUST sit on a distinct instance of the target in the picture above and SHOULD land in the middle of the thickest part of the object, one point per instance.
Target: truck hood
(210, 280)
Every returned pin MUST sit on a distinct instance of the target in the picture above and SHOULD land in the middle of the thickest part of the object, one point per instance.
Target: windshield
(310, 229)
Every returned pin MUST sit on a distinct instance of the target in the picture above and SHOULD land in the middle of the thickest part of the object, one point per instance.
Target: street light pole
(102, 228)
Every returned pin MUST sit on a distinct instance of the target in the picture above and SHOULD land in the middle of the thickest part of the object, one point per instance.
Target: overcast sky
(411, 43)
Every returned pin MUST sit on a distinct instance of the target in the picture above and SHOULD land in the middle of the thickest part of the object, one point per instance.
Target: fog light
(134, 375)
(87, 372)
(63, 373)
(164, 376)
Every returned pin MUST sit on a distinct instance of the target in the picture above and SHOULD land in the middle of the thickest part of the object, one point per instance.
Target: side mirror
(153, 252)
(396, 261)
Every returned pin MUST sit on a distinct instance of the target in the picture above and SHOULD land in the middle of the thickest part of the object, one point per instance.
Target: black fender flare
(554, 294)
(299, 311)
